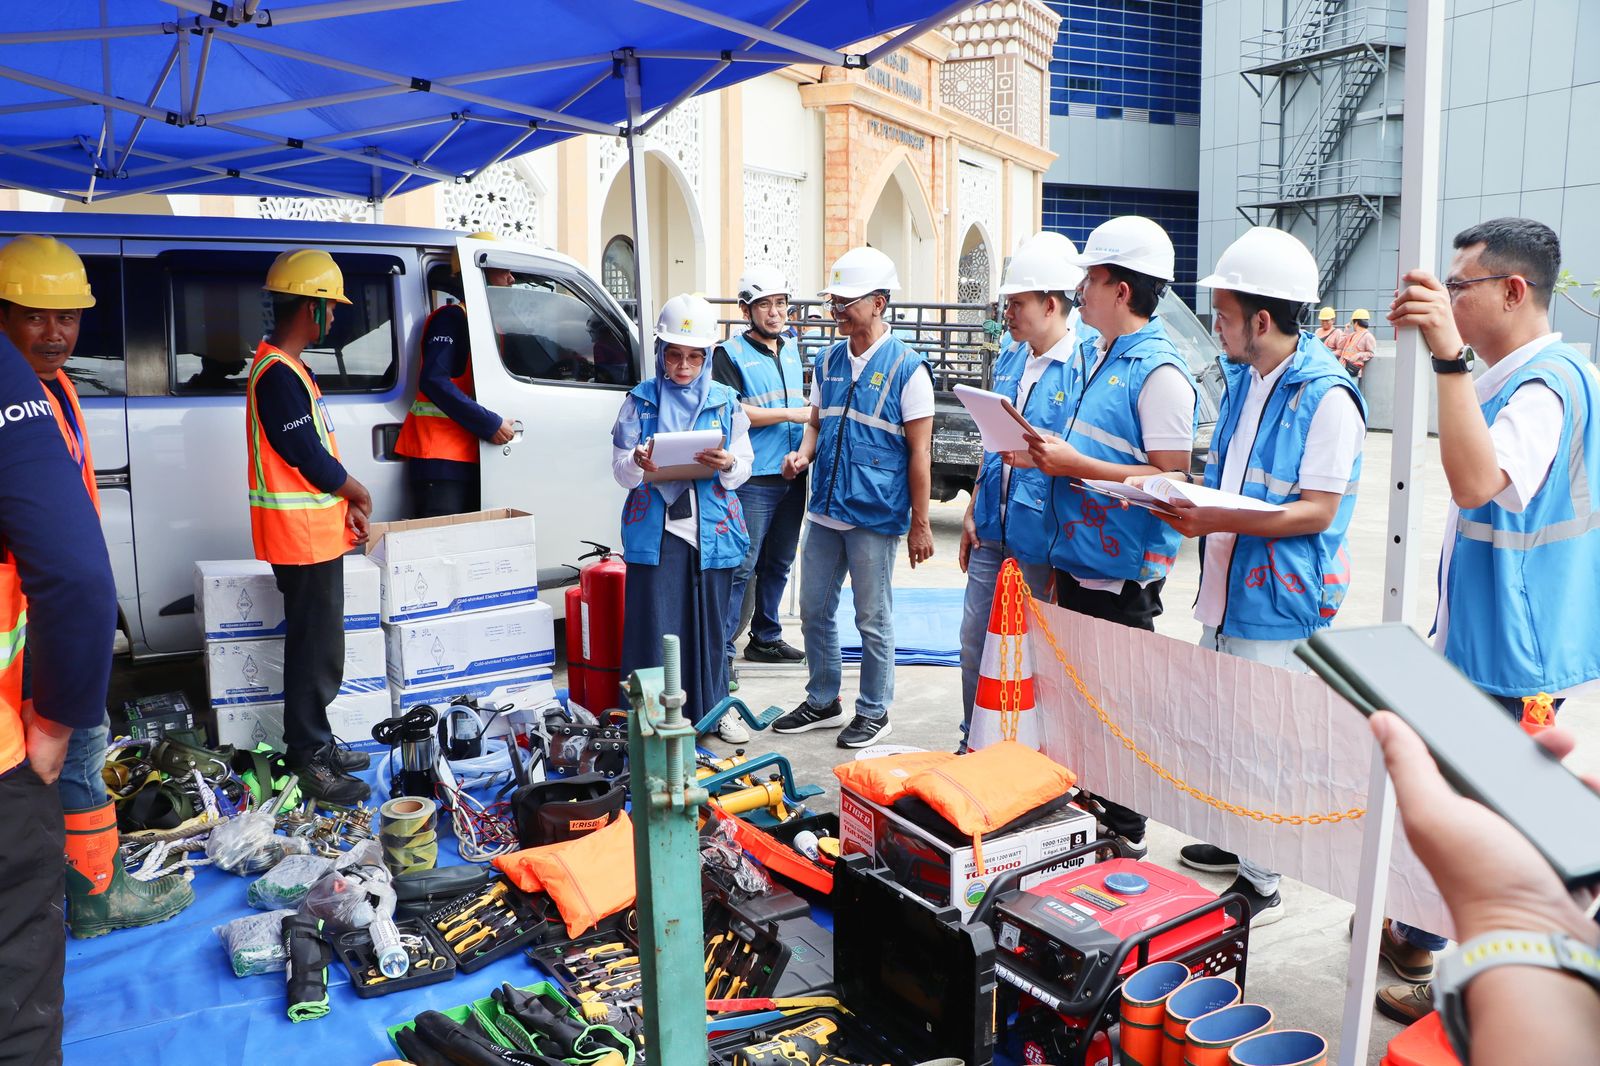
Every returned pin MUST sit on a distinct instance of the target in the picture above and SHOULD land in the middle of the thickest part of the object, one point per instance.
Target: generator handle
(1006, 883)
(1232, 903)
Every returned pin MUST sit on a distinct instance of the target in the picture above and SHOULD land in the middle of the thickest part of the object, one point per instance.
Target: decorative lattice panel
(972, 280)
(978, 197)
(499, 200)
(314, 209)
(968, 86)
(772, 221)
(679, 136)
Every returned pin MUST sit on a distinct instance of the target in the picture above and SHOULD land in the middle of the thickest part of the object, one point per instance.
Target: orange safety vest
(428, 432)
(13, 626)
(77, 438)
(291, 520)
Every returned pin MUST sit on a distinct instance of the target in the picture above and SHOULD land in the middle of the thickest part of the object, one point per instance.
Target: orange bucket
(1291, 1047)
(1144, 1011)
(1199, 997)
(1211, 1035)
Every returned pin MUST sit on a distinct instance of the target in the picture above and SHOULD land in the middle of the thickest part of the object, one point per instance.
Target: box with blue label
(524, 690)
(238, 599)
(351, 717)
(460, 646)
(434, 567)
(251, 671)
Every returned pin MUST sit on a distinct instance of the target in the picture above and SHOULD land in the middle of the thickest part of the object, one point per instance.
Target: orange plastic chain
(1018, 584)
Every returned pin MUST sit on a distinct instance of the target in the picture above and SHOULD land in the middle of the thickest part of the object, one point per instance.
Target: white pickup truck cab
(164, 354)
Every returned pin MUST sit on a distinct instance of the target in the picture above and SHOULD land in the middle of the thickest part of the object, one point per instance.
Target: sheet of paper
(673, 454)
(1001, 431)
(1158, 490)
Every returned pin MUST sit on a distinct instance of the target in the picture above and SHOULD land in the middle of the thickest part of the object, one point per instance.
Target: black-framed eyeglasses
(1454, 287)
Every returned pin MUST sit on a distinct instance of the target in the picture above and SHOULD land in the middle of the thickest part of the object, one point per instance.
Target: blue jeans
(772, 514)
(983, 574)
(80, 785)
(1279, 653)
(868, 559)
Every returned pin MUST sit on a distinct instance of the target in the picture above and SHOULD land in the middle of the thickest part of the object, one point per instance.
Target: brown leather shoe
(1411, 964)
(1405, 1003)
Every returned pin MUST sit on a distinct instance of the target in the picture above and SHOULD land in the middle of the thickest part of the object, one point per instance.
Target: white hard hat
(1038, 267)
(1267, 262)
(1133, 242)
(688, 319)
(860, 271)
(763, 279)
(1059, 243)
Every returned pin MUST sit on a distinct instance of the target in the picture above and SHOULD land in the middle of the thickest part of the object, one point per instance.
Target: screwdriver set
(489, 924)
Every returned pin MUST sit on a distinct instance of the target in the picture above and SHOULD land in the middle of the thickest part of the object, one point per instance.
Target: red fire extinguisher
(602, 586)
(577, 666)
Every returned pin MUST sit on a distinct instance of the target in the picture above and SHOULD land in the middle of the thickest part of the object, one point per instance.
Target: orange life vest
(13, 623)
(429, 433)
(77, 438)
(291, 520)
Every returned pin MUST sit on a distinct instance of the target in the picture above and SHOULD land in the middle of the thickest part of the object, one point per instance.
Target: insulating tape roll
(408, 832)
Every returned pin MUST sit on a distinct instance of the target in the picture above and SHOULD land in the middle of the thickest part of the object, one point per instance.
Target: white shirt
(1166, 420)
(629, 475)
(1032, 371)
(1527, 435)
(1332, 444)
(916, 401)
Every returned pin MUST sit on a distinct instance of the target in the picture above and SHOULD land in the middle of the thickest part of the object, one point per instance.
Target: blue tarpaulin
(370, 98)
(927, 627)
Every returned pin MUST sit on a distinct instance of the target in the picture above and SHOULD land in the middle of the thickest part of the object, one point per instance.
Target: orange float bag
(883, 780)
(588, 879)
(983, 790)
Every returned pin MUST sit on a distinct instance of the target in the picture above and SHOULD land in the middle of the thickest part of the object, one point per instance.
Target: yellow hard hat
(306, 272)
(42, 272)
(1361, 313)
(1325, 315)
(455, 253)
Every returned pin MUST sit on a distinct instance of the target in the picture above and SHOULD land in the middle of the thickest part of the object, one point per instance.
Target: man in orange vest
(442, 430)
(56, 575)
(305, 512)
(45, 292)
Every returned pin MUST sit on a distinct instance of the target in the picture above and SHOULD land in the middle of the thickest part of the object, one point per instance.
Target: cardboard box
(460, 646)
(238, 599)
(525, 690)
(251, 671)
(455, 564)
(943, 873)
(351, 716)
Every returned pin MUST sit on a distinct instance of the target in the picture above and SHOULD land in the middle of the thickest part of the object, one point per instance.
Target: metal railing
(1328, 181)
(1319, 33)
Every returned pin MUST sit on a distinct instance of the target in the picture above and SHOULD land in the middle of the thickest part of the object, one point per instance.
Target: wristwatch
(1550, 951)
(1461, 364)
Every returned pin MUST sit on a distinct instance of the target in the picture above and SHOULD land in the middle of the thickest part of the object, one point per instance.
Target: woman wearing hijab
(682, 539)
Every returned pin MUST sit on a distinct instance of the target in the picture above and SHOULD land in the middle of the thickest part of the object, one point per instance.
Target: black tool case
(918, 984)
(354, 949)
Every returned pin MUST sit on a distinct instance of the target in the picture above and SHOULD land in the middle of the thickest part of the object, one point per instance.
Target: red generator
(602, 594)
(1063, 948)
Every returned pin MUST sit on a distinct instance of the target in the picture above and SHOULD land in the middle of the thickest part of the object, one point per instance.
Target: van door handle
(384, 437)
(516, 436)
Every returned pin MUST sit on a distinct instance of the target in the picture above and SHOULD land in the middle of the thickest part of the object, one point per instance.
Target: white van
(163, 357)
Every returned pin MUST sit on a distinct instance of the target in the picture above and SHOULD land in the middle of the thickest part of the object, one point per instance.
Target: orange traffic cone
(1002, 707)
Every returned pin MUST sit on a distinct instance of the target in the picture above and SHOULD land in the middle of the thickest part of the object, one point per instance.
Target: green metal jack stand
(666, 843)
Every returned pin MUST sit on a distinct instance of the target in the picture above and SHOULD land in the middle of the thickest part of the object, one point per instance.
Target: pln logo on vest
(1114, 380)
(877, 379)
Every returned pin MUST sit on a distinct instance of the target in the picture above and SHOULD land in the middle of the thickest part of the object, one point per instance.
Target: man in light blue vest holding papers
(1289, 432)
(870, 444)
(1007, 515)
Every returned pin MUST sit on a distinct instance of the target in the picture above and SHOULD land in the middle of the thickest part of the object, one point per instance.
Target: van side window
(549, 332)
(98, 366)
(220, 314)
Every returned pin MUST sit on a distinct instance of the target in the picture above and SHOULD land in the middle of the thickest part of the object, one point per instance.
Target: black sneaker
(779, 651)
(1264, 910)
(1131, 848)
(349, 761)
(805, 718)
(1210, 858)
(322, 779)
(863, 732)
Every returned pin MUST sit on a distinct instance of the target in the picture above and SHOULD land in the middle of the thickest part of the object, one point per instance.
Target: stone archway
(901, 226)
(975, 267)
(677, 234)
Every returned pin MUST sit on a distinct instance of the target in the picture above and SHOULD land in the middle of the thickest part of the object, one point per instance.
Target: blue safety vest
(1024, 530)
(861, 455)
(1290, 587)
(723, 537)
(779, 384)
(1522, 608)
(1093, 536)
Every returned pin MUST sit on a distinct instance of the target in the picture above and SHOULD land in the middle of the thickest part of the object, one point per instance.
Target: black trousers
(1135, 607)
(33, 940)
(313, 650)
(436, 497)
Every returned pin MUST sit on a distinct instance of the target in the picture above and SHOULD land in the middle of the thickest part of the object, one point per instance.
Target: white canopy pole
(638, 187)
(1419, 241)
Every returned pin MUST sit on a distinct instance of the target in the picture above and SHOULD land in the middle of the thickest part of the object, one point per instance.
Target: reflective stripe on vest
(75, 433)
(1518, 610)
(778, 385)
(291, 520)
(429, 433)
(13, 626)
(1285, 588)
